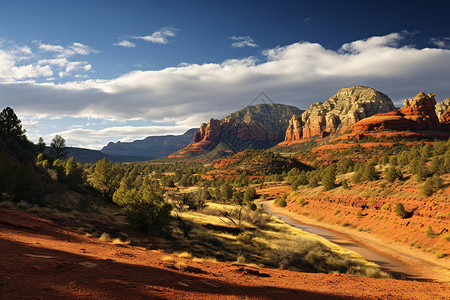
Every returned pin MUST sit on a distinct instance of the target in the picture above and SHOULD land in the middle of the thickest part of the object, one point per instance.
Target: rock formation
(294, 131)
(260, 126)
(442, 107)
(417, 114)
(337, 114)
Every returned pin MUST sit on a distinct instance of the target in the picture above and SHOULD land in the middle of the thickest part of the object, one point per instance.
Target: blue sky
(100, 71)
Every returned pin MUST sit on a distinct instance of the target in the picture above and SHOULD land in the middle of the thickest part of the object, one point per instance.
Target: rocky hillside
(260, 127)
(417, 114)
(337, 114)
(152, 146)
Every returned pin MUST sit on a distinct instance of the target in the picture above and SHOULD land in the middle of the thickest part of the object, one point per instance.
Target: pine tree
(10, 126)
(41, 145)
(106, 178)
(58, 147)
(329, 178)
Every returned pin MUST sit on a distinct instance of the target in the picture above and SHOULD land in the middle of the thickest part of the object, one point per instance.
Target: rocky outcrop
(260, 127)
(294, 131)
(442, 107)
(445, 120)
(417, 114)
(337, 114)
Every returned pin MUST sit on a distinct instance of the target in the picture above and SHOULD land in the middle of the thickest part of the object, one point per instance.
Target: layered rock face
(260, 126)
(337, 114)
(417, 114)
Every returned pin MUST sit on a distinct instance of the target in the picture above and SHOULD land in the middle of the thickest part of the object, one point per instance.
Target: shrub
(282, 202)
(302, 201)
(345, 184)
(336, 211)
(386, 206)
(149, 217)
(400, 210)
(430, 233)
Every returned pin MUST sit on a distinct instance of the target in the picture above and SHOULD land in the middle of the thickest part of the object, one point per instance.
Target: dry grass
(184, 254)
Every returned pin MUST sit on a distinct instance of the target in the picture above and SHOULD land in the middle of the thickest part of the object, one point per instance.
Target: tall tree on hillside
(58, 147)
(106, 178)
(10, 126)
(41, 145)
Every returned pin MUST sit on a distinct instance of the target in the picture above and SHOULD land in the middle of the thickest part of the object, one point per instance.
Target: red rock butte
(419, 114)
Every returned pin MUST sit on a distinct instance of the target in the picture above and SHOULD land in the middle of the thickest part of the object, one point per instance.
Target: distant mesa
(152, 146)
(337, 114)
(417, 114)
(259, 127)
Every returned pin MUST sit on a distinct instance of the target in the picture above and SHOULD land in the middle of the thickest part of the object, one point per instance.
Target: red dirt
(40, 260)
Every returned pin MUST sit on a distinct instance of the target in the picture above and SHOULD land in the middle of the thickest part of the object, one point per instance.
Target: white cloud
(160, 36)
(298, 74)
(441, 42)
(19, 63)
(125, 43)
(243, 41)
(66, 52)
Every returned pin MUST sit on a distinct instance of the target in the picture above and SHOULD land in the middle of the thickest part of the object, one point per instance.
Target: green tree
(10, 125)
(329, 178)
(106, 178)
(369, 172)
(74, 172)
(400, 210)
(58, 147)
(392, 173)
(41, 145)
(249, 194)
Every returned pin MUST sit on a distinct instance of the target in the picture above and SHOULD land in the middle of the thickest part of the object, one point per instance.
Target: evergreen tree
(329, 178)
(369, 172)
(106, 178)
(58, 147)
(10, 126)
(41, 145)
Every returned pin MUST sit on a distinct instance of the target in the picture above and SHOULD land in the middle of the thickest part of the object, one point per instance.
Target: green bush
(150, 217)
(282, 202)
(400, 210)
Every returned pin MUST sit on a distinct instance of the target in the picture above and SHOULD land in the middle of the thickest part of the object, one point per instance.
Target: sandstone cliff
(419, 113)
(337, 114)
(260, 127)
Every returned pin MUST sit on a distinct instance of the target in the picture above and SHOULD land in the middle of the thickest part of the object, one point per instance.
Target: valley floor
(41, 260)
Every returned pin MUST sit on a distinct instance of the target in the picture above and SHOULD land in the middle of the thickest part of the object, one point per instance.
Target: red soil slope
(40, 260)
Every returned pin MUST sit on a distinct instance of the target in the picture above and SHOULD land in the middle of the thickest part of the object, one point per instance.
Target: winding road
(396, 268)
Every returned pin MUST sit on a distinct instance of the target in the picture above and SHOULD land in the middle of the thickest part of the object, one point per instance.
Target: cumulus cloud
(125, 43)
(160, 36)
(298, 74)
(243, 41)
